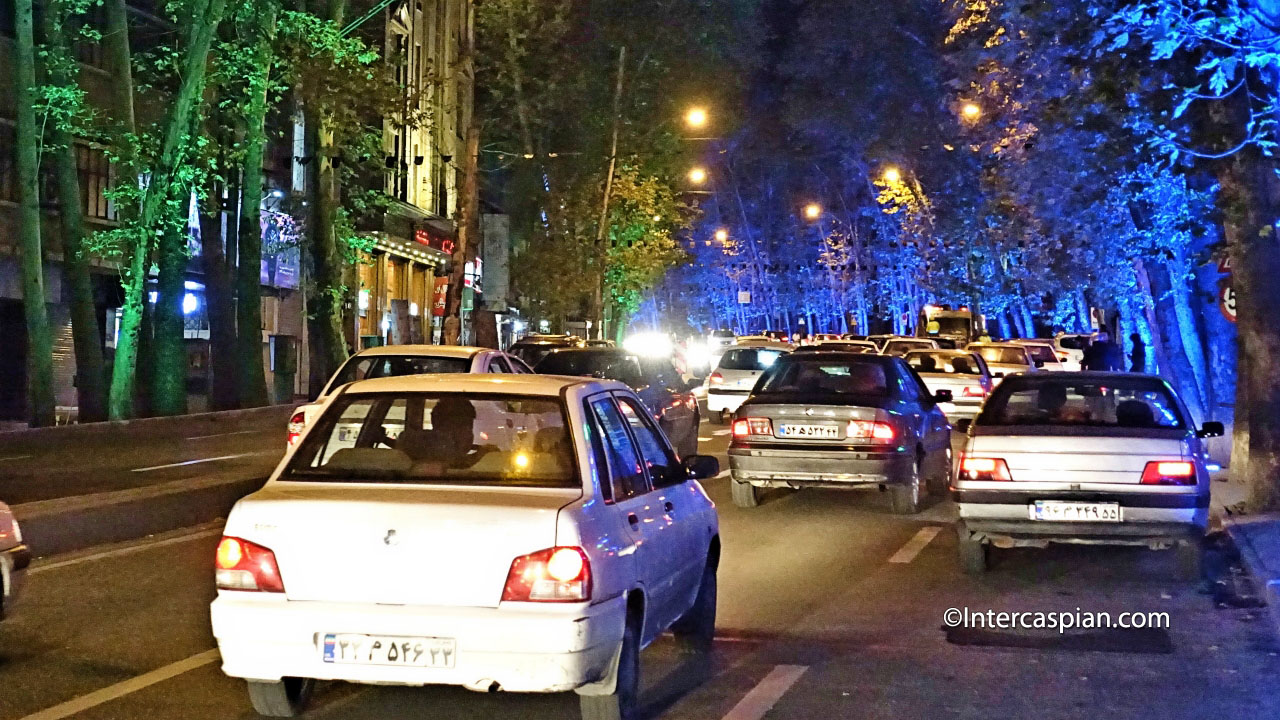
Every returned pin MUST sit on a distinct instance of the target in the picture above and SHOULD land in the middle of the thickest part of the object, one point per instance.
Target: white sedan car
(14, 559)
(395, 360)
(523, 533)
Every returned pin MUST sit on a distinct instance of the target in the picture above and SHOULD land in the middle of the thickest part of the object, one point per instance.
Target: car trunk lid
(403, 545)
(1083, 458)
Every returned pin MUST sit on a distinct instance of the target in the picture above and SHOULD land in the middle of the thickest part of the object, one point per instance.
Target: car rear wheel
(906, 495)
(973, 553)
(696, 629)
(288, 697)
(621, 704)
(745, 495)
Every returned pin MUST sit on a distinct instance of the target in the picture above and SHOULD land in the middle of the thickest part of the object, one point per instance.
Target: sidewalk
(1257, 537)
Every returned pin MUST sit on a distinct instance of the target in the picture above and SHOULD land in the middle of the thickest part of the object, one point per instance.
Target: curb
(1247, 532)
(113, 425)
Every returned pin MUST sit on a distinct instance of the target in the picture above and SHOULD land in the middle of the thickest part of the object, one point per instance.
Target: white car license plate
(1057, 511)
(809, 431)
(389, 650)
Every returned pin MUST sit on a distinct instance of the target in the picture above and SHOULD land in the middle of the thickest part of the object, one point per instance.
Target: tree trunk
(1180, 348)
(1250, 183)
(40, 400)
(165, 211)
(133, 275)
(602, 229)
(253, 382)
(468, 231)
(219, 304)
(85, 331)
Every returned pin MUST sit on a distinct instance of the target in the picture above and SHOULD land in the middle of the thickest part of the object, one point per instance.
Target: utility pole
(468, 232)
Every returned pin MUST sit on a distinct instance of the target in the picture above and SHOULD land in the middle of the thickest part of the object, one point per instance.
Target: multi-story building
(430, 42)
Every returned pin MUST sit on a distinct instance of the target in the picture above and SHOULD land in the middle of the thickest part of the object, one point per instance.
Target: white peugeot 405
(526, 533)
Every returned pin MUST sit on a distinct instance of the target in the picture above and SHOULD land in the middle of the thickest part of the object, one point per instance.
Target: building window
(95, 179)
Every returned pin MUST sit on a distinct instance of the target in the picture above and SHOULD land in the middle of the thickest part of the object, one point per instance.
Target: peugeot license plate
(357, 649)
(827, 432)
(1058, 511)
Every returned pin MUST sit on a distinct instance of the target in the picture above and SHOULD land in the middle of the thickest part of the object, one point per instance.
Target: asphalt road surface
(830, 607)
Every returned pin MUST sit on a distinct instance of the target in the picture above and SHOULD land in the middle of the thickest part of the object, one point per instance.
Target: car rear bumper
(1003, 518)
(520, 648)
(960, 410)
(804, 467)
(720, 400)
(13, 571)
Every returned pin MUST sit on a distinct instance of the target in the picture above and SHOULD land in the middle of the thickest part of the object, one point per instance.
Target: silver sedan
(1085, 458)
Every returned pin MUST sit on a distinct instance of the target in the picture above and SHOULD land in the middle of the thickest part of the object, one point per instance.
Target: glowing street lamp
(971, 111)
(722, 235)
(892, 175)
(697, 176)
(813, 211)
(696, 117)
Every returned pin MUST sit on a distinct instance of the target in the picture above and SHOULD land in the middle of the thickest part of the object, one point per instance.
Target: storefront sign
(439, 299)
(434, 239)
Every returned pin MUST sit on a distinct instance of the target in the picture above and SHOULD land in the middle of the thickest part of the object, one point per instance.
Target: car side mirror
(1212, 429)
(701, 467)
(963, 425)
(999, 375)
(1039, 363)
(942, 396)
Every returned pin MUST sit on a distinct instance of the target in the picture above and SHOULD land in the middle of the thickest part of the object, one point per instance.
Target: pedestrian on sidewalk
(1103, 355)
(1138, 356)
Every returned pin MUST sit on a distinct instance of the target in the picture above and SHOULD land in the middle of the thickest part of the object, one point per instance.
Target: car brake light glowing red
(870, 429)
(297, 424)
(745, 427)
(242, 565)
(1169, 473)
(717, 378)
(561, 574)
(981, 468)
(973, 392)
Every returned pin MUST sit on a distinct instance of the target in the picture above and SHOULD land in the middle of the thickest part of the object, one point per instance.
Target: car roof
(759, 345)
(448, 351)
(830, 355)
(939, 351)
(995, 344)
(503, 384)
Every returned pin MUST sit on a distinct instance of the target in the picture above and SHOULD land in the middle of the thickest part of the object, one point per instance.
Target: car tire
(622, 703)
(287, 697)
(696, 629)
(1190, 560)
(745, 495)
(974, 554)
(906, 496)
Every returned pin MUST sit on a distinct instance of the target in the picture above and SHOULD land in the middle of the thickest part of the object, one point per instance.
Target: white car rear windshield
(439, 438)
(365, 368)
(1121, 403)
(1001, 355)
(943, 362)
(749, 359)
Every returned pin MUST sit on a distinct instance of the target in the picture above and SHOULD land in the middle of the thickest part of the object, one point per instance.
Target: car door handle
(631, 518)
(669, 506)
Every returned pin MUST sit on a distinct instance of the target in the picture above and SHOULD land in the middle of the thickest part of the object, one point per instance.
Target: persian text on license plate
(809, 431)
(389, 650)
(1057, 511)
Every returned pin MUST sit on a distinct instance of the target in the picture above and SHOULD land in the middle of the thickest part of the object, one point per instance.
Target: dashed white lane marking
(130, 550)
(764, 696)
(225, 434)
(720, 433)
(120, 689)
(908, 552)
(14, 457)
(723, 474)
(193, 462)
(703, 439)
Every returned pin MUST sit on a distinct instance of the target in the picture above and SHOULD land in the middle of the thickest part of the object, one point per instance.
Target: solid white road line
(703, 439)
(720, 433)
(225, 434)
(193, 462)
(130, 550)
(14, 457)
(723, 474)
(120, 689)
(764, 696)
(908, 552)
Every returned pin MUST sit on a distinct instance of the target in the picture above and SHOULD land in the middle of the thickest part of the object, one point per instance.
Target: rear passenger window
(498, 365)
(664, 469)
(625, 471)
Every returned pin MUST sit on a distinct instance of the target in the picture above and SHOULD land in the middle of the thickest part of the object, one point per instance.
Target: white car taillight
(870, 430)
(745, 427)
(982, 468)
(242, 565)
(297, 424)
(1169, 473)
(561, 574)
